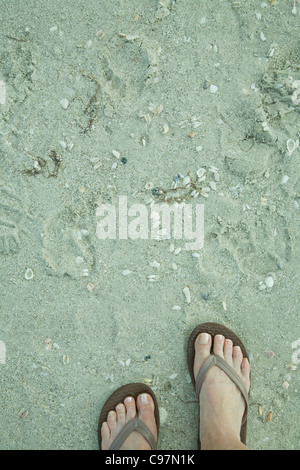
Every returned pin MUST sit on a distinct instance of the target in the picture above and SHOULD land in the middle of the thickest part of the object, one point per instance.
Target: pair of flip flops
(136, 389)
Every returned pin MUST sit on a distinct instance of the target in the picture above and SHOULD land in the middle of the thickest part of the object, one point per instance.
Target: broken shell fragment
(187, 294)
(64, 103)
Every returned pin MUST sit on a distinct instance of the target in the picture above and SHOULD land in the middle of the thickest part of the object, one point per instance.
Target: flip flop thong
(118, 396)
(217, 329)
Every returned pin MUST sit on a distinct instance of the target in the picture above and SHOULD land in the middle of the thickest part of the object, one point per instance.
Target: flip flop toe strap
(222, 364)
(133, 425)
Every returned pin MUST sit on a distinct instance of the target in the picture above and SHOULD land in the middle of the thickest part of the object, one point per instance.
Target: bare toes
(219, 345)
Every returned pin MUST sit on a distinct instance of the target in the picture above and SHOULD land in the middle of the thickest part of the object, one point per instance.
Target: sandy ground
(172, 87)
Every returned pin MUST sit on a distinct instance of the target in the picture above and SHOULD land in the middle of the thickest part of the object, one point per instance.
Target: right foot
(221, 403)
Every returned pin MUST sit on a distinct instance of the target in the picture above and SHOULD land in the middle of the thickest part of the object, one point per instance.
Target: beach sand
(99, 99)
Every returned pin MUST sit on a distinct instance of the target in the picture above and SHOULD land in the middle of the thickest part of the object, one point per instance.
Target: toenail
(129, 400)
(237, 348)
(203, 339)
(144, 399)
(219, 337)
(119, 407)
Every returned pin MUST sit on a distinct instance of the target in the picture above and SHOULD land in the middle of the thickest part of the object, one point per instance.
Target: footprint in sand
(14, 217)
(66, 247)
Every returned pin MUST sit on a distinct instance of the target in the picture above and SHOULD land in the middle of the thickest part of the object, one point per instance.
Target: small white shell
(213, 88)
(291, 145)
(262, 36)
(201, 172)
(154, 264)
(116, 153)
(176, 308)
(269, 282)
(187, 294)
(29, 274)
(149, 185)
(126, 272)
(285, 179)
(64, 103)
(66, 360)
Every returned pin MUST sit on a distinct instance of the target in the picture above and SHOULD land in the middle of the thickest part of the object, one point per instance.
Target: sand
(170, 87)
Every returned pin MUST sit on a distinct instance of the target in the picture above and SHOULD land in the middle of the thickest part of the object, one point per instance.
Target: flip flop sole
(214, 329)
(130, 390)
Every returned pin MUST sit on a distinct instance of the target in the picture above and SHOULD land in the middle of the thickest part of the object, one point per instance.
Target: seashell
(176, 308)
(64, 103)
(90, 287)
(128, 37)
(173, 376)
(285, 179)
(269, 282)
(285, 385)
(148, 381)
(186, 180)
(126, 272)
(262, 36)
(149, 185)
(213, 185)
(165, 129)
(154, 264)
(271, 354)
(116, 153)
(29, 274)
(187, 294)
(192, 134)
(178, 250)
(201, 172)
(291, 145)
(66, 360)
(213, 88)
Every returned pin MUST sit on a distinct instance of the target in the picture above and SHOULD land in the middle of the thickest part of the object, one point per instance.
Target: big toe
(202, 350)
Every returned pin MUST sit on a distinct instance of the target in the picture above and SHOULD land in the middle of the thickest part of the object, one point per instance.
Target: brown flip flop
(118, 396)
(217, 329)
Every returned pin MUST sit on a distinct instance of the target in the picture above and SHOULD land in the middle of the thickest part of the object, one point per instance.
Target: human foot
(142, 408)
(222, 405)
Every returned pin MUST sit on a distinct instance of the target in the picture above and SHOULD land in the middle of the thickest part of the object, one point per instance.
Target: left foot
(143, 409)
